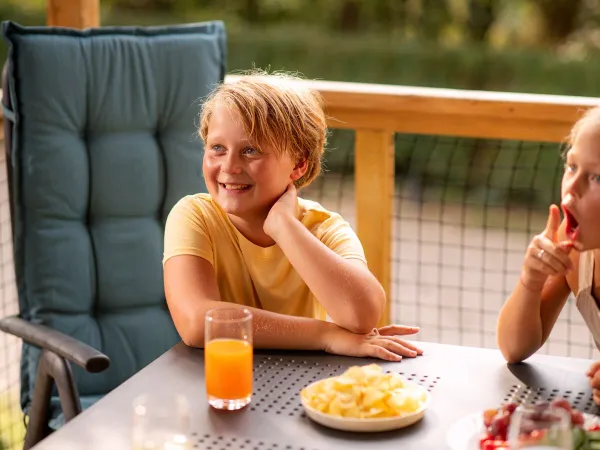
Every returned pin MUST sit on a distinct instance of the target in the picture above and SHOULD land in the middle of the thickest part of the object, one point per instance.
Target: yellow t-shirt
(247, 274)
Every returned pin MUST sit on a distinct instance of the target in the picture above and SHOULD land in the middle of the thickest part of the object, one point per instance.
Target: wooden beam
(73, 13)
(456, 125)
(450, 112)
(374, 194)
(494, 115)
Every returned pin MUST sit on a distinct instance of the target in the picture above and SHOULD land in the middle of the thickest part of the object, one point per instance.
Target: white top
(586, 304)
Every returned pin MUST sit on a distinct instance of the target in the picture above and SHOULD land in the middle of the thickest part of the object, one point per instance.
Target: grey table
(462, 381)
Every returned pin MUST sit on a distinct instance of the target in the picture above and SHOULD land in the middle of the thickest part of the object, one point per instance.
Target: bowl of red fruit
(491, 429)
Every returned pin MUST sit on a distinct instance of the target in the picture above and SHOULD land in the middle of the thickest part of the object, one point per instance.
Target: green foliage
(405, 42)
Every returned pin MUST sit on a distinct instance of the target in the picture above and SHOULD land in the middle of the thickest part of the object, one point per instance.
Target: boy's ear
(299, 170)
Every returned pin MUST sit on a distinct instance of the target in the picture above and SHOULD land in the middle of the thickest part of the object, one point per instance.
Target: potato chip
(365, 392)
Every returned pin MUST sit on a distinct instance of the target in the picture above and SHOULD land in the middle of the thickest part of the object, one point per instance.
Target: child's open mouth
(235, 187)
(572, 229)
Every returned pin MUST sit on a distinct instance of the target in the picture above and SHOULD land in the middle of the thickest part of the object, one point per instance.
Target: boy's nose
(231, 165)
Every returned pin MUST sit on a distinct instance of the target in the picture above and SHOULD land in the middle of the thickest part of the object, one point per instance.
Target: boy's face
(581, 188)
(241, 179)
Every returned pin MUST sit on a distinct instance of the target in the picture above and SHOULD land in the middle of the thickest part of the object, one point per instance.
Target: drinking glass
(228, 357)
(540, 427)
(161, 422)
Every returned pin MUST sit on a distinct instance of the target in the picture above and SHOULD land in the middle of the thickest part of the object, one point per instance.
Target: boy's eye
(217, 148)
(570, 167)
(250, 151)
(596, 178)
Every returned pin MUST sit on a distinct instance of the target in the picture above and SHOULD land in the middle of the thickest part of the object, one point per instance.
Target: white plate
(465, 434)
(368, 425)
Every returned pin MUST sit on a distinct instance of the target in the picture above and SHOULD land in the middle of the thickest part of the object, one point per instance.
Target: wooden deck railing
(376, 112)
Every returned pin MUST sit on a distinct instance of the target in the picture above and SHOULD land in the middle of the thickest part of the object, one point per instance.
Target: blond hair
(277, 110)
(590, 117)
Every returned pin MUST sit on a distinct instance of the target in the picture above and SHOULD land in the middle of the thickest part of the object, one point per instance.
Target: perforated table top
(462, 381)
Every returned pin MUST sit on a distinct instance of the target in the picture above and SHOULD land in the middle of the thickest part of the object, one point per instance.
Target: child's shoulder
(313, 213)
(200, 204)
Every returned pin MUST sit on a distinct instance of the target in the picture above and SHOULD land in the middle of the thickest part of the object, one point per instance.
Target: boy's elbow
(366, 319)
(359, 322)
(191, 340)
(190, 334)
(360, 328)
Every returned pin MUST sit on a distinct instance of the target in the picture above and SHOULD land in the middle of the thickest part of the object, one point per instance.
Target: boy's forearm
(350, 294)
(270, 330)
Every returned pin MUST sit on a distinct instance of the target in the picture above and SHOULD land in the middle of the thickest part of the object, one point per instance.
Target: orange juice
(228, 369)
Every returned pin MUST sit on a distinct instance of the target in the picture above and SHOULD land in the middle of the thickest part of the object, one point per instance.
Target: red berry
(488, 416)
(577, 418)
(510, 407)
(562, 403)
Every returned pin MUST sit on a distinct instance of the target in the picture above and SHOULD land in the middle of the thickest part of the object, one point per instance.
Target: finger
(383, 353)
(567, 246)
(394, 347)
(595, 381)
(551, 231)
(409, 345)
(398, 330)
(533, 263)
(577, 245)
(552, 255)
(596, 395)
(593, 369)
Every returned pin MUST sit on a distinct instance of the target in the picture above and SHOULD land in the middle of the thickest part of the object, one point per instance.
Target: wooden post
(374, 193)
(73, 13)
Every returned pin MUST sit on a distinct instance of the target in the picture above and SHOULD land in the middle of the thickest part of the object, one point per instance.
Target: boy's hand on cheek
(383, 343)
(284, 208)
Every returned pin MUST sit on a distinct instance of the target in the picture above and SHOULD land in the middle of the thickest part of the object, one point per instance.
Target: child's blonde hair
(276, 110)
(590, 117)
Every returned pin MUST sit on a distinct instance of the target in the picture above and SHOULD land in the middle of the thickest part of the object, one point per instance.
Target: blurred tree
(157, 5)
(349, 16)
(559, 19)
(481, 17)
(390, 15)
(166, 6)
(251, 11)
(433, 18)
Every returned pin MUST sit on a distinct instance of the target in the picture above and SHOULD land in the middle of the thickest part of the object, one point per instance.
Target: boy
(251, 241)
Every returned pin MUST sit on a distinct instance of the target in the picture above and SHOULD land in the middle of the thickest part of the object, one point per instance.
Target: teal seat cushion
(104, 143)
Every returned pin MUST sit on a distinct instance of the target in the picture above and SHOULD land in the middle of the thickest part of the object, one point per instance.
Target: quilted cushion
(104, 143)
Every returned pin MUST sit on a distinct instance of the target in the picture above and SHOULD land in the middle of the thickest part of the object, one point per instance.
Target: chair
(100, 134)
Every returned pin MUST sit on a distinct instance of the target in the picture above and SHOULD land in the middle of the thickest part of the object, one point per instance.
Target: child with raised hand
(563, 259)
(252, 242)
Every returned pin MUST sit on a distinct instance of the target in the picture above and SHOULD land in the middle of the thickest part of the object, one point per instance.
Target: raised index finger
(551, 231)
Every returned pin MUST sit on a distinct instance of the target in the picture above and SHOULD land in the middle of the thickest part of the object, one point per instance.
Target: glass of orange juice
(228, 357)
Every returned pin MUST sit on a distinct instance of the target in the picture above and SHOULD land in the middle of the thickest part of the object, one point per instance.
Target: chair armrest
(65, 346)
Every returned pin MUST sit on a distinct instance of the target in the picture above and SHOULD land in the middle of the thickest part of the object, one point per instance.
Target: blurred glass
(540, 427)
(161, 422)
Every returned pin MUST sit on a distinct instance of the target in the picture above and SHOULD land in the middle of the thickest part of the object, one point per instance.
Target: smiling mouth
(235, 187)
(572, 228)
